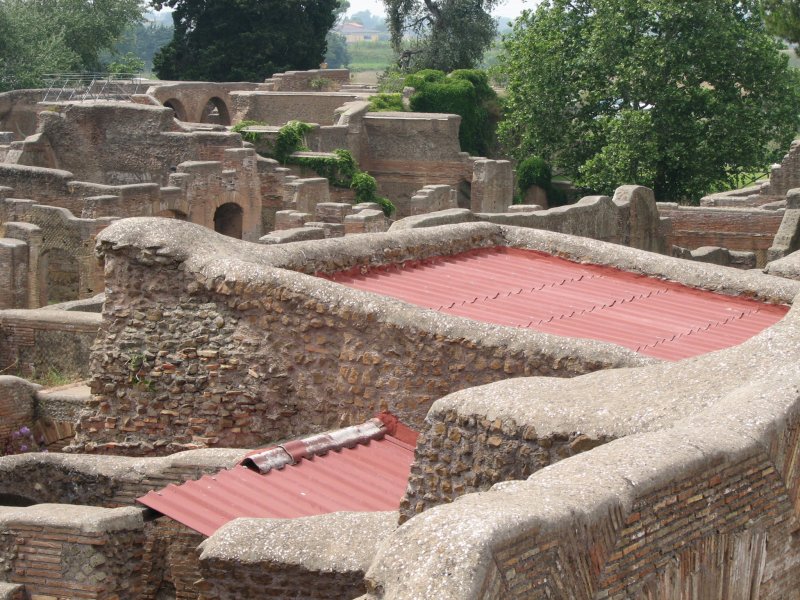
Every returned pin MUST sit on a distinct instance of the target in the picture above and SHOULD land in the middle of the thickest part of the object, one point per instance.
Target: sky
(507, 8)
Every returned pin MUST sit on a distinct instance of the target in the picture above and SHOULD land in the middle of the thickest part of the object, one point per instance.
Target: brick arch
(229, 219)
(215, 110)
(177, 107)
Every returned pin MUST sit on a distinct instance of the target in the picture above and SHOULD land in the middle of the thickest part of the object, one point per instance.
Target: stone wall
(278, 108)
(60, 263)
(192, 100)
(304, 81)
(40, 341)
(107, 481)
(13, 273)
(317, 558)
(698, 498)
(17, 406)
(751, 230)
(786, 175)
(73, 552)
(207, 340)
(116, 143)
(631, 219)
(18, 110)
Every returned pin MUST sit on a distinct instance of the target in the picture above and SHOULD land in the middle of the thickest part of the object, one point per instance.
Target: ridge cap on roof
(291, 452)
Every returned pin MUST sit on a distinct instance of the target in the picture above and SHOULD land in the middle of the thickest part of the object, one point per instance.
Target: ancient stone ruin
(605, 394)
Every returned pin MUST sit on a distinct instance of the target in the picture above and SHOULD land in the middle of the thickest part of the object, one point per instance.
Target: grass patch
(370, 56)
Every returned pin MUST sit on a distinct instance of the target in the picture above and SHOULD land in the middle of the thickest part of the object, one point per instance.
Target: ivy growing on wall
(341, 169)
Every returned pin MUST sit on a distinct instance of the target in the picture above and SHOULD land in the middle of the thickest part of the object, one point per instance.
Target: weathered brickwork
(460, 454)
(62, 557)
(44, 340)
(172, 553)
(226, 581)
(733, 228)
(224, 361)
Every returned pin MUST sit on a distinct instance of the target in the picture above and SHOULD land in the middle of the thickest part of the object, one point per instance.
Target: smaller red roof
(358, 469)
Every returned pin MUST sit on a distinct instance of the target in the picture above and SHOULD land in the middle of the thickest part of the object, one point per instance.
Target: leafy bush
(338, 170)
(366, 189)
(291, 138)
(248, 136)
(391, 81)
(386, 102)
(533, 171)
(466, 93)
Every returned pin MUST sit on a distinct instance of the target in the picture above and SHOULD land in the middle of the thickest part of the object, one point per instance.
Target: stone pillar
(492, 186)
(13, 273)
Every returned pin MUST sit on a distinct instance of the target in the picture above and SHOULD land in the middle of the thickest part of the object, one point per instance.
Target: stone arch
(228, 220)
(16, 500)
(215, 111)
(59, 277)
(177, 107)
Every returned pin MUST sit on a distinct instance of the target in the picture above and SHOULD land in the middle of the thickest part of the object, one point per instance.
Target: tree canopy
(441, 34)
(783, 19)
(678, 95)
(243, 40)
(46, 36)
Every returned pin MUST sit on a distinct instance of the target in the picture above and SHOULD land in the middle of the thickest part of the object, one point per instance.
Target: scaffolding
(64, 87)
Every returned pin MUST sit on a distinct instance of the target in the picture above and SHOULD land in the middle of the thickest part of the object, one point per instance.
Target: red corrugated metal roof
(369, 476)
(524, 288)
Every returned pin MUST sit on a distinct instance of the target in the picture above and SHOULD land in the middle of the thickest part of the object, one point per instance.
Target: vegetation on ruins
(50, 36)
(464, 92)
(366, 189)
(243, 40)
(677, 96)
(338, 167)
(441, 34)
(23, 440)
(386, 103)
(534, 171)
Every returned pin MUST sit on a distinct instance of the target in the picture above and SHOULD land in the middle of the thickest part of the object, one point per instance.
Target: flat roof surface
(534, 290)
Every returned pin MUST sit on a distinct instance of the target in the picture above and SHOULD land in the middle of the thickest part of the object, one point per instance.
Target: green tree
(783, 19)
(45, 36)
(243, 40)
(678, 95)
(143, 40)
(441, 34)
(336, 55)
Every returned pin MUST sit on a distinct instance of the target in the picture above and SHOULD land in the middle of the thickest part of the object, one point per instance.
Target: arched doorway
(177, 108)
(216, 111)
(59, 277)
(228, 220)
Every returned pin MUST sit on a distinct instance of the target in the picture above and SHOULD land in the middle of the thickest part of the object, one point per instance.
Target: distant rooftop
(524, 288)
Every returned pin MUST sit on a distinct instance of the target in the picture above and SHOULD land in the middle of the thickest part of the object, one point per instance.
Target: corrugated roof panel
(524, 288)
(367, 477)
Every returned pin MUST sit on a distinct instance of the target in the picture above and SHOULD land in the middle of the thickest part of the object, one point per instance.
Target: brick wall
(40, 341)
(735, 229)
(73, 552)
(205, 358)
(17, 403)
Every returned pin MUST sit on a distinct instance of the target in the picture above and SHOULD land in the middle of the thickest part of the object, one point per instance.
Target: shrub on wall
(386, 102)
(466, 93)
(534, 170)
(366, 189)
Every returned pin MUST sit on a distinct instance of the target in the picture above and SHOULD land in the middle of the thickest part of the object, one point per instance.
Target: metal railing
(63, 87)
